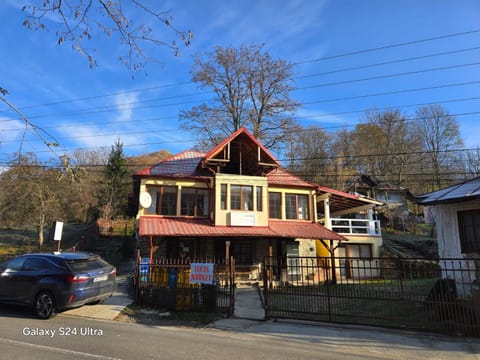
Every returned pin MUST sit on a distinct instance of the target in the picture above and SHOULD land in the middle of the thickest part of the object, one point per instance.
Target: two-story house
(193, 204)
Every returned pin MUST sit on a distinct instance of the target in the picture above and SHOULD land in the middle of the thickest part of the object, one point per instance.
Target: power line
(306, 61)
(389, 76)
(384, 47)
(386, 63)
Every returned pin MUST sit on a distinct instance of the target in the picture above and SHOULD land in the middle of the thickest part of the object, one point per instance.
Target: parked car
(49, 283)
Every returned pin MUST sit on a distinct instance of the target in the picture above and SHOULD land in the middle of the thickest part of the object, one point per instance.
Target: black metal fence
(166, 283)
(434, 295)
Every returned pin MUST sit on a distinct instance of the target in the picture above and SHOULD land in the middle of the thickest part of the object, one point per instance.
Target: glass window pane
(202, 202)
(247, 197)
(274, 203)
(223, 196)
(303, 207)
(153, 191)
(235, 199)
(169, 201)
(290, 206)
(259, 198)
(188, 202)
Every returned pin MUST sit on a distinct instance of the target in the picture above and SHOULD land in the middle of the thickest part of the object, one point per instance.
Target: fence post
(137, 275)
(265, 287)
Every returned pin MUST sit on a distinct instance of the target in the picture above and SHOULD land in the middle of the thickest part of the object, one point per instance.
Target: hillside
(403, 244)
(142, 161)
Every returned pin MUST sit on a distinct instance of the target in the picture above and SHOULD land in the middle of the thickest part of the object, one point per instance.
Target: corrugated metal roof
(177, 227)
(181, 164)
(465, 191)
(283, 178)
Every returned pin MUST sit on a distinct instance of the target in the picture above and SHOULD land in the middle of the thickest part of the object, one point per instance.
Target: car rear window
(86, 265)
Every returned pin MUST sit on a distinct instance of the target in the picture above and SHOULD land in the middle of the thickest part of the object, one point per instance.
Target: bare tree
(440, 134)
(250, 89)
(310, 154)
(472, 159)
(80, 20)
(387, 146)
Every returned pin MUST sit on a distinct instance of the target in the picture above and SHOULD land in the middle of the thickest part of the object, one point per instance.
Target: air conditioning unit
(242, 218)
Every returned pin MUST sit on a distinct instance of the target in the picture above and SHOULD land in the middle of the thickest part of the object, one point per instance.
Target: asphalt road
(70, 337)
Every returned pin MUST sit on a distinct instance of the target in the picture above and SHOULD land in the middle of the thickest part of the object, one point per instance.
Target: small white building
(456, 212)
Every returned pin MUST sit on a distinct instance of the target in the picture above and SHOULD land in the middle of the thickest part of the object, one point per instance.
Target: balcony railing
(356, 226)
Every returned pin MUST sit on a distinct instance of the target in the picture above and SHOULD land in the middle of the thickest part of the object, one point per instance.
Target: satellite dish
(145, 200)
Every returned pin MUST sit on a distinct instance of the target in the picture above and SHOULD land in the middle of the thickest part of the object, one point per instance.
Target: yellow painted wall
(222, 216)
(322, 251)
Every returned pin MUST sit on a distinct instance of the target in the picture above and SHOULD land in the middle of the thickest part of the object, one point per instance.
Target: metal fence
(166, 283)
(433, 295)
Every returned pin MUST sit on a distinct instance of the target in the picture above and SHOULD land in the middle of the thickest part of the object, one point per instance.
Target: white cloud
(323, 119)
(125, 104)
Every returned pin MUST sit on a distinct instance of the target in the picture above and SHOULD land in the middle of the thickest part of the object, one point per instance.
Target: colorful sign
(201, 273)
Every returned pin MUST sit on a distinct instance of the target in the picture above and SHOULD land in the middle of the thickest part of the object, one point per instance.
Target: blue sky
(89, 109)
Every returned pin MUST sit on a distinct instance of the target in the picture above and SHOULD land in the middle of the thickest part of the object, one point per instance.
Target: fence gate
(432, 295)
(168, 283)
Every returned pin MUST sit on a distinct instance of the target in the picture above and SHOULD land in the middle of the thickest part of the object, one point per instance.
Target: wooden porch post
(227, 261)
(270, 262)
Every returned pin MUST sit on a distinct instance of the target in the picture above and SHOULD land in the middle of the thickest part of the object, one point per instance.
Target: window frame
(159, 199)
(241, 197)
(270, 193)
(259, 198)
(467, 244)
(196, 202)
(288, 209)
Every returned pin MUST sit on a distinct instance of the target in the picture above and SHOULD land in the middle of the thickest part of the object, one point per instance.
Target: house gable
(240, 154)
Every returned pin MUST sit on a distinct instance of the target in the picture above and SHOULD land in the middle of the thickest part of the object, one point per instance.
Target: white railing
(356, 226)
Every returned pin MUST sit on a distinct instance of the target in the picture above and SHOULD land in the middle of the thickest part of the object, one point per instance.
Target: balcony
(355, 226)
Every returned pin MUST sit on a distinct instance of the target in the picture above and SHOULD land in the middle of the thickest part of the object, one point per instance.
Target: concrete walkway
(110, 308)
(248, 303)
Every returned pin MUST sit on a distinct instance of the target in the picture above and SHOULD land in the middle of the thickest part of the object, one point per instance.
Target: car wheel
(44, 306)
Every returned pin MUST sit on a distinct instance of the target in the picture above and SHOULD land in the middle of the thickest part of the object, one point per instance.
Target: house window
(275, 205)
(194, 202)
(223, 196)
(296, 207)
(469, 230)
(259, 198)
(363, 251)
(241, 197)
(164, 200)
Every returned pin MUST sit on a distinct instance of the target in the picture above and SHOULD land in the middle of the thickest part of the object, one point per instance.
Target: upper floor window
(223, 196)
(164, 200)
(296, 207)
(259, 193)
(275, 205)
(194, 202)
(241, 197)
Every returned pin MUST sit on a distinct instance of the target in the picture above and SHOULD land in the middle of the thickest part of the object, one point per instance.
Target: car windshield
(85, 265)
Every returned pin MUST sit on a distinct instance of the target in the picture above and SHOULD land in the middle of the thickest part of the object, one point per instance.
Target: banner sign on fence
(201, 273)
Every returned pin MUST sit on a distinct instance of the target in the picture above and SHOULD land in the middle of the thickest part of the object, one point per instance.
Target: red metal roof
(282, 177)
(179, 165)
(159, 226)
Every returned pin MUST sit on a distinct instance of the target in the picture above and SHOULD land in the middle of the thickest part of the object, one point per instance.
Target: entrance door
(293, 263)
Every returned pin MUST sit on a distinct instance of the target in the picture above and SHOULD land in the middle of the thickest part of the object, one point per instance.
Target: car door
(34, 271)
(8, 278)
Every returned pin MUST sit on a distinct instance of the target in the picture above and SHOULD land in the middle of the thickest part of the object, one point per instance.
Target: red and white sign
(201, 273)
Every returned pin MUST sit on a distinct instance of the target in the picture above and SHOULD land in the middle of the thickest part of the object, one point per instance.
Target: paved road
(71, 337)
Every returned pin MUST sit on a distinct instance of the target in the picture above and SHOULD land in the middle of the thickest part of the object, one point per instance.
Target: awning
(181, 227)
